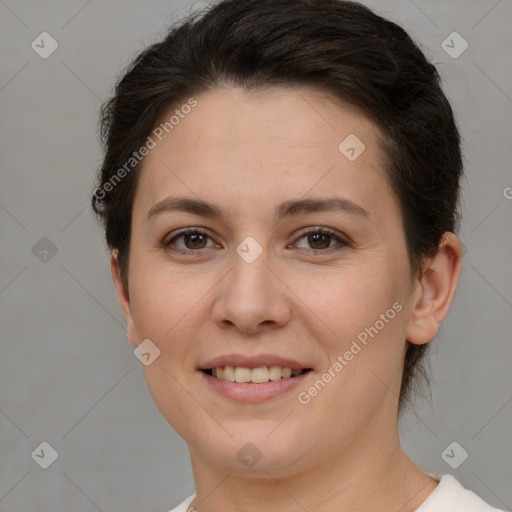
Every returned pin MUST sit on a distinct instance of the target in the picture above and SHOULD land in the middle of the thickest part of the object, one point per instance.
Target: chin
(252, 449)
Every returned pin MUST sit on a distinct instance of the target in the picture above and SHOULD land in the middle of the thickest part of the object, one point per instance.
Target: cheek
(162, 304)
(166, 308)
(358, 313)
(171, 306)
(349, 297)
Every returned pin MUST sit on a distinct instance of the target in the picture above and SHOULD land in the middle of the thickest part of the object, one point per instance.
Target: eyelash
(323, 231)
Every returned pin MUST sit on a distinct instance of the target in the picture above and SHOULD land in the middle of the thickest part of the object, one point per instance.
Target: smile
(260, 375)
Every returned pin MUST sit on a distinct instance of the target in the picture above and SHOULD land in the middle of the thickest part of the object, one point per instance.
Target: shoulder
(182, 507)
(451, 496)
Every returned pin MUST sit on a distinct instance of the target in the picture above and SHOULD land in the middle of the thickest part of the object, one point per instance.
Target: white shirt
(448, 496)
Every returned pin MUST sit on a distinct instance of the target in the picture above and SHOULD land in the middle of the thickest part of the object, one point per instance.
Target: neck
(360, 475)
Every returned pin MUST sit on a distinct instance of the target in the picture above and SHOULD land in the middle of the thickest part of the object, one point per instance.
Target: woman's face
(328, 288)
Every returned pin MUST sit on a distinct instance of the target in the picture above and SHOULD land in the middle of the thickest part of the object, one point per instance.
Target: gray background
(67, 372)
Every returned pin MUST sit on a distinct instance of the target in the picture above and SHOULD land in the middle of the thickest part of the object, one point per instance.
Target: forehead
(266, 145)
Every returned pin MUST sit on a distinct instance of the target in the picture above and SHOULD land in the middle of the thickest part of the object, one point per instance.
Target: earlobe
(123, 297)
(435, 290)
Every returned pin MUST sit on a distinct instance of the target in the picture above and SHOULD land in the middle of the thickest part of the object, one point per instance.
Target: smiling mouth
(260, 375)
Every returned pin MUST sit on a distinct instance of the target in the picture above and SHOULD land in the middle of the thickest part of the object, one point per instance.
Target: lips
(256, 361)
(249, 392)
(244, 378)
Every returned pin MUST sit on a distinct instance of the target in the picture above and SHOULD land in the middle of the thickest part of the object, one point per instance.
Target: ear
(124, 298)
(434, 292)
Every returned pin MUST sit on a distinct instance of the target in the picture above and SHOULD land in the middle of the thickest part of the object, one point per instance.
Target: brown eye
(188, 241)
(320, 241)
(196, 240)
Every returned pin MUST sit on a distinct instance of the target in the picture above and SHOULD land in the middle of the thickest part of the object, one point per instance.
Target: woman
(280, 194)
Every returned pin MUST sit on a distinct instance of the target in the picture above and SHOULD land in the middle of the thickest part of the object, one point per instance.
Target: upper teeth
(255, 375)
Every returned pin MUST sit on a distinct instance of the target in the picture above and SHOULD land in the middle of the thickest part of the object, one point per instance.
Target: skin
(248, 153)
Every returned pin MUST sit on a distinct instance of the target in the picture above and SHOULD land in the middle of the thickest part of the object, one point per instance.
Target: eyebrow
(286, 209)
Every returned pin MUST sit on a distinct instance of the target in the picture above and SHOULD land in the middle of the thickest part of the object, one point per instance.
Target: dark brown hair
(339, 47)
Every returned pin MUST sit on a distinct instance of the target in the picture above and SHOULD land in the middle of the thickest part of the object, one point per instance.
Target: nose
(251, 297)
